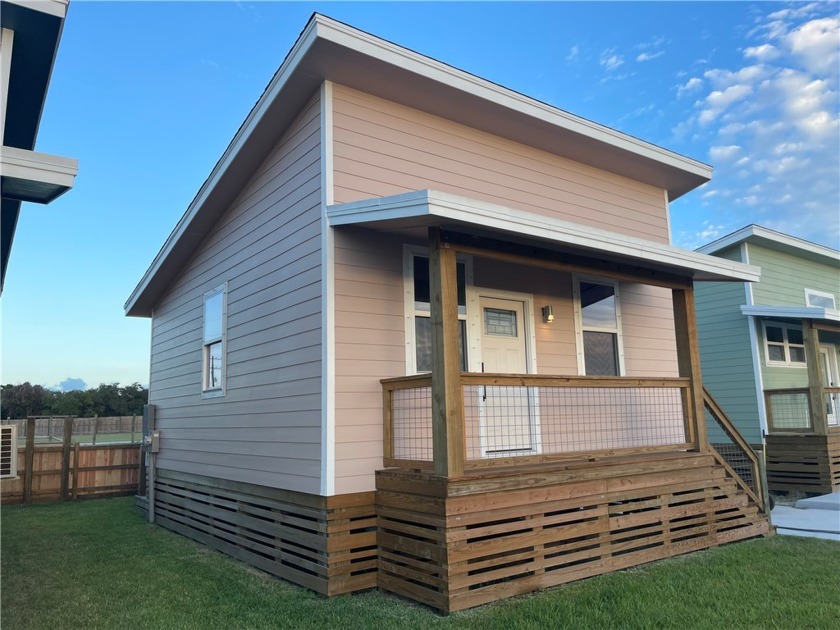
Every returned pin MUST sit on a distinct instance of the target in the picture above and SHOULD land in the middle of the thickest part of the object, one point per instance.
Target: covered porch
(803, 422)
(502, 481)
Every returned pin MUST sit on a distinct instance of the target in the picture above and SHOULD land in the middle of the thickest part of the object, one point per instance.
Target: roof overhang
(328, 50)
(792, 312)
(411, 214)
(774, 240)
(35, 177)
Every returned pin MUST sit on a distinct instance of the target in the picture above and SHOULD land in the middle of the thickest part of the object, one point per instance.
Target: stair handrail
(732, 432)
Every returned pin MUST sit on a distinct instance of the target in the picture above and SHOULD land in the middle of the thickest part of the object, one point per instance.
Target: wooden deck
(461, 542)
(327, 544)
(804, 462)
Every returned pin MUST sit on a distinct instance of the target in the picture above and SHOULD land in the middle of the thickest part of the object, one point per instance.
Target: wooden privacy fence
(73, 467)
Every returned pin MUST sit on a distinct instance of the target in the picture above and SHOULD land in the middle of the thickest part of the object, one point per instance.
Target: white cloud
(763, 53)
(648, 56)
(574, 52)
(610, 60)
(689, 86)
(718, 101)
(771, 127)
(815, 43)
(721, 153)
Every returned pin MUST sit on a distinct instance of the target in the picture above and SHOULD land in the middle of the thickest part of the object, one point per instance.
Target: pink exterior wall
(382, 148)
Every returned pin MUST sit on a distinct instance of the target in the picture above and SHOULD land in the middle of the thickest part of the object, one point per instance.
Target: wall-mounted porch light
(548, 314)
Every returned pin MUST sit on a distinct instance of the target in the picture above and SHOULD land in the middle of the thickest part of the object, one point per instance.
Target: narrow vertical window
(214, 340)
(598, 317)
(421, 313)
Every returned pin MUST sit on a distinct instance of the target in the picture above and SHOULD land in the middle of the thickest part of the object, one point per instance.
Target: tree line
(25, 399)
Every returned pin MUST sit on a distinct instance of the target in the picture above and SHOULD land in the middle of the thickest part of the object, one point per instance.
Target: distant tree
(19, 401)
(25, 399)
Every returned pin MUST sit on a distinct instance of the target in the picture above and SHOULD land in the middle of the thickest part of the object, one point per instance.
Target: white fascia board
(278, 81)
(38, 167)
(792, 312)
(411, 61)
(57, 8)
(427, 203)
(756, 231)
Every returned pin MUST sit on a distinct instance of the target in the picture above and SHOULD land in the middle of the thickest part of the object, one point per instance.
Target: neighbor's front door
(828, 373)
(507, 412)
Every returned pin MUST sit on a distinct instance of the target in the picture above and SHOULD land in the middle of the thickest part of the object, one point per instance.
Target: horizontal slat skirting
(803, 463)
(327, 544)
(456, 544)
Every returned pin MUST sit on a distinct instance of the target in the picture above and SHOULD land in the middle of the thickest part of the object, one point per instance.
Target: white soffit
(792, 312)
(427, 208)
(35, 177)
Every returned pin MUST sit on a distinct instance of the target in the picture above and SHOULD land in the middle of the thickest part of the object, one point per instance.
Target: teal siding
(725, 356)
(785, 277)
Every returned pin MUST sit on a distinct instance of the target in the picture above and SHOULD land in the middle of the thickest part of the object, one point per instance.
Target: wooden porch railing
(525, 419)
(789, 410)
(733, 452)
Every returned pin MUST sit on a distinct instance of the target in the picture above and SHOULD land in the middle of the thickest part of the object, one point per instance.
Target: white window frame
(580, 329)
(411, 310)
(206, 343)
(822, 294)
(785, 344)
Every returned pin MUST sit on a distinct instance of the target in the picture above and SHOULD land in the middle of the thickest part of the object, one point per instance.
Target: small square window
(784, 345)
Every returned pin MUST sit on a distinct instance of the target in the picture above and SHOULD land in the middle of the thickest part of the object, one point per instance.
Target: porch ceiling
(411, 214)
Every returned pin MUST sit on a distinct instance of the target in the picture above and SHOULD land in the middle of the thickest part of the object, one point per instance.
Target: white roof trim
(757, 231)
(38, 167)
(792, 312)
(439, 206)
(57, 8)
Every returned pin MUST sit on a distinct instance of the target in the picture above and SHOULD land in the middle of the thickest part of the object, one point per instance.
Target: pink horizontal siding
(382, 148)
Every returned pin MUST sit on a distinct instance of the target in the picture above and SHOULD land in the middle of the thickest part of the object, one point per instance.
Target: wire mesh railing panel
(411, 417)
(732, 453)
(788, 410)
(510, 420)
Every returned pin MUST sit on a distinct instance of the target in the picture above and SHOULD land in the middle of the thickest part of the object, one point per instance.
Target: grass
(98, 564)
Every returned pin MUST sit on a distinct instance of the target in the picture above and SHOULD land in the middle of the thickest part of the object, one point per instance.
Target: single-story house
(421, 332)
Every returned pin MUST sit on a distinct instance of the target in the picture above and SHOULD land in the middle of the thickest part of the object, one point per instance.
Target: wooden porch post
(688, 358)
(447, 403)
(816, 390)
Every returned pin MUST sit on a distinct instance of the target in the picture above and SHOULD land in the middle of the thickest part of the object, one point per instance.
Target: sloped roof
(332, 51)
(774, 240)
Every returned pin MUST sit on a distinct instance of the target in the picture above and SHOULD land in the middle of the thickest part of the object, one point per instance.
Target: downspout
(755, 351)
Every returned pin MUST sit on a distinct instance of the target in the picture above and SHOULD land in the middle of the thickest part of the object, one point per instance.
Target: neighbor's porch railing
(789, 410)
(519, 419)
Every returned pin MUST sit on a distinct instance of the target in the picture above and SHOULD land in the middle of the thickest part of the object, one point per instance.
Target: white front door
(828, 373)
(508, 414)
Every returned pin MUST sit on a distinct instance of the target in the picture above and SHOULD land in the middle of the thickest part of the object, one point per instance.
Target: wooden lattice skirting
(804, 463)
(327, 544)
(463, 542)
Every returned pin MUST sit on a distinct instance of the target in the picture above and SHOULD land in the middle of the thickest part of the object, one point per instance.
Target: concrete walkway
(817, 517)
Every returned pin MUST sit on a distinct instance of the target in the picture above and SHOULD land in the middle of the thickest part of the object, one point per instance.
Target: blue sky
(148, 95)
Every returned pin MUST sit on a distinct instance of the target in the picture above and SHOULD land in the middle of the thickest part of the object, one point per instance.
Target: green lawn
(98, 564)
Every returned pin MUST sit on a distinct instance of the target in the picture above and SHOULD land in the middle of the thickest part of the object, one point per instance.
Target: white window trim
(822, 294)
(579, 329)
(215, 392)
(410, 311)
(787, 362)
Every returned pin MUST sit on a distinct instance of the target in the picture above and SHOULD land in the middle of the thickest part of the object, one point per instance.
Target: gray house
(769, 353)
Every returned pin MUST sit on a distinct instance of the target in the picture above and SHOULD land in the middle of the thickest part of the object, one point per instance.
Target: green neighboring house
(769, 353)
